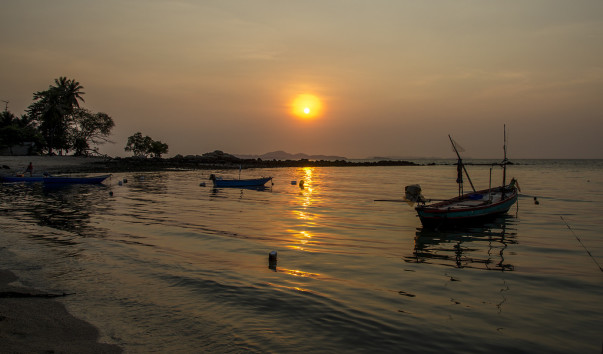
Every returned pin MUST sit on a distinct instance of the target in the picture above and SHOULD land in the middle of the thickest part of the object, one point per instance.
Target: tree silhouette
(52, 108)
(88, 128)
(144, 146)
(158, 148)
(15, 131)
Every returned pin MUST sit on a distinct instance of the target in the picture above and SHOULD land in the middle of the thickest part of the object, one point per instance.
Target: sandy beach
(33, 322)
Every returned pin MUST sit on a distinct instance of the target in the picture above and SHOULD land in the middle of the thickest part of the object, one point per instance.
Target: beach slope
(33, 322)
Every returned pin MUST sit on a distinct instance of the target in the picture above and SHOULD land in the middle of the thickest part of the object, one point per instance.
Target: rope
(578, 238)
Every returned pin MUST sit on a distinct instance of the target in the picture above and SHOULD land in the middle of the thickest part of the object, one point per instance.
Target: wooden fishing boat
(55, 179)
(251, 182)
(466, 207)
(470, 207)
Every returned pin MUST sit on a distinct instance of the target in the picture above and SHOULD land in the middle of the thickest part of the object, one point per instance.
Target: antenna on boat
(460, 168)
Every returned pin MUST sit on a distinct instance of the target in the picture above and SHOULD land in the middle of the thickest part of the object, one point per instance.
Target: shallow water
(164, 264)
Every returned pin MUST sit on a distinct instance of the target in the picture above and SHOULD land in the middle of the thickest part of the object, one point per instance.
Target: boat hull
(254, 182)
(55, 179)
(452, 212)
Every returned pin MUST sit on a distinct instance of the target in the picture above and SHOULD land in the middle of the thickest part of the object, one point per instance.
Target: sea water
(160, 262)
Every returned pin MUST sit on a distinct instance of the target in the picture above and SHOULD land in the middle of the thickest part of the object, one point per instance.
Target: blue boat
(467, 207)
(244, 183)
(55, 179)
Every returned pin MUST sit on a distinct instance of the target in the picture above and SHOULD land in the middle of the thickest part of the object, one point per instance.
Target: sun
(306, 106)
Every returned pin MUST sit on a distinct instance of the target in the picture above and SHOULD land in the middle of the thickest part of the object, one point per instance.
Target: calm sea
(163, 264)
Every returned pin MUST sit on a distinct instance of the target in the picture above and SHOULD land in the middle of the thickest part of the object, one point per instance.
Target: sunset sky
(388, 78)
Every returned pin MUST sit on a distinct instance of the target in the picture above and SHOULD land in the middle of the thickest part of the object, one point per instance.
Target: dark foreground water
(166, 265)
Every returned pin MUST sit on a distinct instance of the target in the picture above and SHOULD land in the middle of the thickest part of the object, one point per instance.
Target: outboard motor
(413, 194)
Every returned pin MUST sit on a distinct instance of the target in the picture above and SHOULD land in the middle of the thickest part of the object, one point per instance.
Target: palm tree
(70, 92)
(52, 109)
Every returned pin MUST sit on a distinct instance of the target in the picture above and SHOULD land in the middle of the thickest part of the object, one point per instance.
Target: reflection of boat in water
(246, 183)
(230, 192)
(469, 207)
(473, 247)
(56, 179)
(61, 206)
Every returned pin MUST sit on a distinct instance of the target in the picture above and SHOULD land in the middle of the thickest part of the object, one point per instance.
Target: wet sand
(34, 322)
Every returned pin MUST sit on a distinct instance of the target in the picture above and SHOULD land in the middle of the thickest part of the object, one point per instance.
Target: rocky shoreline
(207, 163)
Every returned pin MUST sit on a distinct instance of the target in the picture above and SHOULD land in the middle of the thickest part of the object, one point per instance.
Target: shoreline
(32, 321)
(12, 165)
(73, 164)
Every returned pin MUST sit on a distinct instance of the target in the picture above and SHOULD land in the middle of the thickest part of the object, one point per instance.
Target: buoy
(301, 184)
(111, 193)
(272, 260)
(202, 184)
(125, 180)
(536, 201)
(293, 183)
(272, 256)
(120, 183)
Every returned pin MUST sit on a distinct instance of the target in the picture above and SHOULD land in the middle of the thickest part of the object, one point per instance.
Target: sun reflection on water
(306, 218)
(298, 273)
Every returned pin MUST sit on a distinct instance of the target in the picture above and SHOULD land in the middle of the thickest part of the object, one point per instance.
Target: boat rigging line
(578, 238)
(460, 168)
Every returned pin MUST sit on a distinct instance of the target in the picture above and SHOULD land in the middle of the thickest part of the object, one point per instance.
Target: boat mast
(504, 162)
(459, 166)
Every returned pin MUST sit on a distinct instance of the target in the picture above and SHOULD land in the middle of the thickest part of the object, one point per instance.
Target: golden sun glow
(306, 106)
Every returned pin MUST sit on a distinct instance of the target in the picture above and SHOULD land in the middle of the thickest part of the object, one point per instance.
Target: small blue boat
(252, 182)
(55, 179)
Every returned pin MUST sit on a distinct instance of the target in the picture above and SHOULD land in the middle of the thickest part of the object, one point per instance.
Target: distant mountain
(282, 155)
(401, 158)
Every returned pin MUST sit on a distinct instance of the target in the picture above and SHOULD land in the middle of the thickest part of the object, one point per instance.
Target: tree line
(55, 123)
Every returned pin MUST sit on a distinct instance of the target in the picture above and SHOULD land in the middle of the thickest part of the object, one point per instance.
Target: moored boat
(55, 179)
(250, 182)
(470, 207)
(466, 207)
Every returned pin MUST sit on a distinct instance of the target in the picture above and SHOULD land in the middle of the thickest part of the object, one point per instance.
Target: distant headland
(284, 156)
